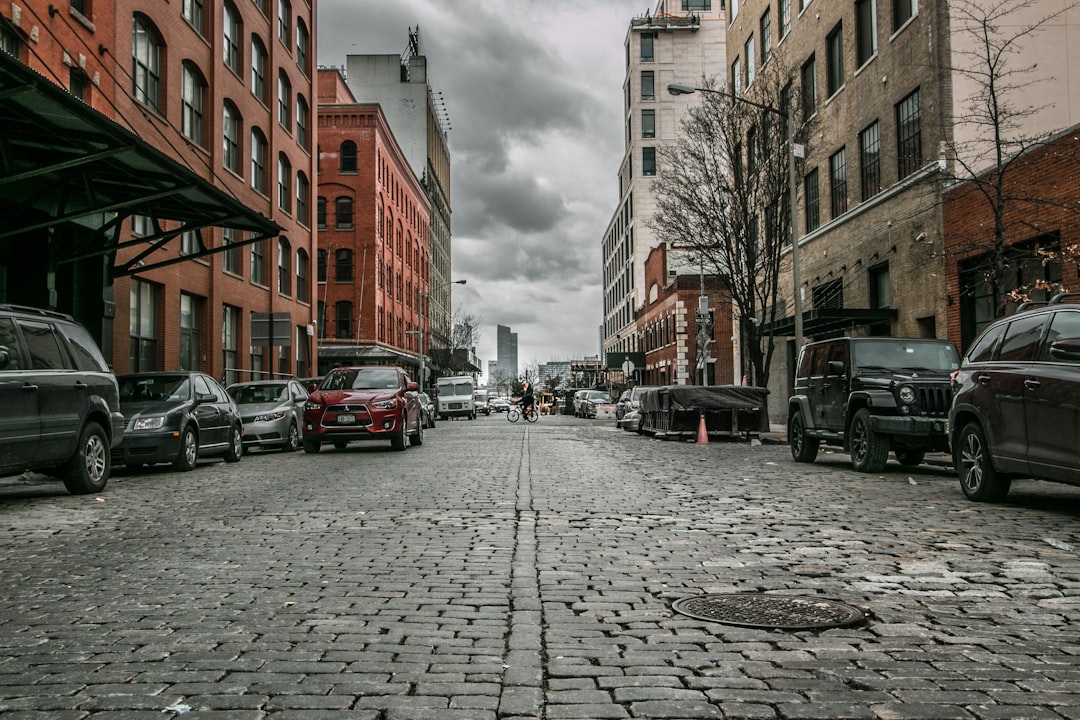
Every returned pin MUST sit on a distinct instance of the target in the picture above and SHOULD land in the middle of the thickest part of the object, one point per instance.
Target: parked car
(1016, 398)
(871, 395)
(427, 405)
(59, 403)
(629, 400)
(499, 404)
(633, 421)
(364, 403)
(480, 401)
(592, 399)
(272, 412)
(579, 402)
(177, 417)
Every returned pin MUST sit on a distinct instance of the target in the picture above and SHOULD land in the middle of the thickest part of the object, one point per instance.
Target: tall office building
(681, 42)
(507, 351)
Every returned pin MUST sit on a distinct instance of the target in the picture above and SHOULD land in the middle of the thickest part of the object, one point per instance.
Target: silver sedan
(272, 411)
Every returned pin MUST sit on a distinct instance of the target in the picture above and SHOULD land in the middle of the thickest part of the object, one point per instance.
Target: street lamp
(676, 89)
(420, 295)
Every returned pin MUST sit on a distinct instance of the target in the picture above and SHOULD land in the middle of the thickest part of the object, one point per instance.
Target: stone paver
(509, 571)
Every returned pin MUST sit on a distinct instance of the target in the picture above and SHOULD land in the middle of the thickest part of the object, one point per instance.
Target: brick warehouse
(374, 236)
(225, 91)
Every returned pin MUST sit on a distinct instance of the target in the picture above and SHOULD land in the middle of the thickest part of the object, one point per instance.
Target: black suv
(872, 395)
(1016, 410)
(60, 405)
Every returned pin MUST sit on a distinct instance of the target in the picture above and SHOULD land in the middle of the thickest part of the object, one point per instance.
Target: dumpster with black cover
(729, 410)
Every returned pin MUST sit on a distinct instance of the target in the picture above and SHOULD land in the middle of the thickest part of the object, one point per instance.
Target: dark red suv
(1016, 406)
(363, 403)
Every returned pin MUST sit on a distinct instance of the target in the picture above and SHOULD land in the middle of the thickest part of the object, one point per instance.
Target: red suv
(363, 403)
(1016, 407)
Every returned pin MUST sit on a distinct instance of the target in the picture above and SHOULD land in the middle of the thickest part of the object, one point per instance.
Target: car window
(983, 349)
(201, 388)
(838, 352)
(817, 361)
(215, 389)
(1021, 337)
(9, 341)
(87, 355)
(1063, 326)
(45, 350)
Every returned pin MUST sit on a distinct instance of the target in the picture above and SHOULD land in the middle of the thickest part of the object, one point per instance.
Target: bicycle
(515, 412)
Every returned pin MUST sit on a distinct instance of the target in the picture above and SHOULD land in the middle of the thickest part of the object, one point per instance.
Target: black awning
(365, 355)
(61, 162)
(823, 321)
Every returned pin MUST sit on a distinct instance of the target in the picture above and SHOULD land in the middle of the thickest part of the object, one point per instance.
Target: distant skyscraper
(507, 351)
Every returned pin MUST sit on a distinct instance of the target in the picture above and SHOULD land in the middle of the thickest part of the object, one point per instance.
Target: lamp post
(789, 116)
(420, 295)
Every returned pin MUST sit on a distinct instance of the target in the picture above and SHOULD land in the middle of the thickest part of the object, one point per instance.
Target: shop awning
(824, 321)
(61, 162)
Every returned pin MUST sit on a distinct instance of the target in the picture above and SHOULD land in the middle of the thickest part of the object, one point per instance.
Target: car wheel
(292, 442)
(869, 451)
(312, 447)
(236, 446)
(979, 480)
(804, 449)
(910, 458)
(88, 470)
(398, 439)
(189, 451)
(417, 438)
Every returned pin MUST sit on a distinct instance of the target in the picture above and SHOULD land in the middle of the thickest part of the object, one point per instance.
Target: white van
(454, 397)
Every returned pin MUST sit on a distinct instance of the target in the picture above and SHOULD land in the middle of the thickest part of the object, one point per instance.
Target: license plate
(346, 419)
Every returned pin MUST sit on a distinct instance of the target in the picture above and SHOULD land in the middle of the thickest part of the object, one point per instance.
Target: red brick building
(1044, 213)
(223, 90)
(374, 240)
(668, 328)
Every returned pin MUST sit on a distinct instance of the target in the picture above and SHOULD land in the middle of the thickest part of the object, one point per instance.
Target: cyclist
(528, 402)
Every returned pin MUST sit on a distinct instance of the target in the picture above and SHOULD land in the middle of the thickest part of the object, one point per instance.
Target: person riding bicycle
(528, 402)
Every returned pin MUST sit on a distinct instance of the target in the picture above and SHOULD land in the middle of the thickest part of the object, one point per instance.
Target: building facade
(681, 41)
(374, 257)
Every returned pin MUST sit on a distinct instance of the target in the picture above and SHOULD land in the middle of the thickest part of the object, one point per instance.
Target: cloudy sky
(533, 89)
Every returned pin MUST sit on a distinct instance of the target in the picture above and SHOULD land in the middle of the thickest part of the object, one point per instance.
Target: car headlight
(267, 417)
(385, 404)
(907, 394)
(154, 422)
(312, 405)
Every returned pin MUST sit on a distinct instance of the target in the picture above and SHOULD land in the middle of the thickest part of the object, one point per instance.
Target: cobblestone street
(528, 571)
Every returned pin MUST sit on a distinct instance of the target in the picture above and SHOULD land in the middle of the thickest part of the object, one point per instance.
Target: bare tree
(994, 121)
(722, 193)
(502, 380)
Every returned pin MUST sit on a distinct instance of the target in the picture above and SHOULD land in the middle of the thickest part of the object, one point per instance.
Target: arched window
(303, 46)
(258, 160)
(230, 134)
(284, 276)
(232, 31)
(192, 11)
(302, 276)
(284, 22)
(343, 213)
(284, 180)
(343, 320)
(303, 190)
(343, 265)
(192, 100)
(302, 121)
(284, 100)
(348, 157)
(258, 68)
(146, 50)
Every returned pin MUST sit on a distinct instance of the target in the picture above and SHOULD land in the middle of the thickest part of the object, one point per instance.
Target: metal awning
(823, 321)
(61, 162)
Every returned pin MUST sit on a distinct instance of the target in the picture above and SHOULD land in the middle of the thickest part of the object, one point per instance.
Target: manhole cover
(783, 612)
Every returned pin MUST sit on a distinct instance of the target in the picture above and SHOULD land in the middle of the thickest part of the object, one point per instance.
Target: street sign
(628, 367)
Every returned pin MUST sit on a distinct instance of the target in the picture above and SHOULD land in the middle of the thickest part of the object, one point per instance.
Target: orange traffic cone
(702, 433)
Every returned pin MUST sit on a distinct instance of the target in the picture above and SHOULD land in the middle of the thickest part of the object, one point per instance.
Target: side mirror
(835, 368)
(412, 387)
(4, 359)
(1067, 350)
(204, 398)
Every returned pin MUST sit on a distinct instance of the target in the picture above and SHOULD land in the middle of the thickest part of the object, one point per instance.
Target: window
(648, 123)
(809, 89)
(705, 5)
(1063, 326)
(320, 212)
(231, 33)
(751, 64)
(803, 4)
(903, 10)
(870, 161)
(189, 242)
(320, 267)
(785, 18)
(192, 97)
(284, 22)
(146, 48)
(838, 182)
(303, 190)
(258, 263)
(736, 77)
(192, 11)
(10, 40)
(647, 40)
(343, 320)
(258, 160)
(258, 69)
(343, 265)
(829, 295)
(284, 183)
(343, 213)
(77, 83)
(261, 5)
(880, 287)
(908, 135)
(648, 89)
(865, 31)
(765, 27)
(190, 345)
(810, 187)
(734, 10)
(648, 161)
(230, 135)
(348, 157)
(1021, 338)
(230, 259)
(230, 342)
(834, 59)
(302, 120)
(301, 275)
(142, 326)
(284, 101)
(284, 274)
(303, 43)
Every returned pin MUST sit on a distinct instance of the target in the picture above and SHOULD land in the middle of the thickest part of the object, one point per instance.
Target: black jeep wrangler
(872, 395)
